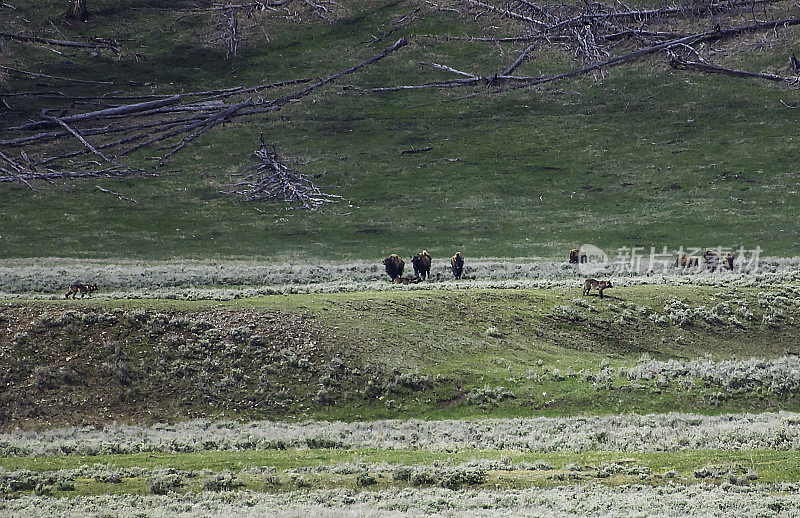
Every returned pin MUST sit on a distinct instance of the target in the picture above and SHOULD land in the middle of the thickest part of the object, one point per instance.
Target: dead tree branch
(164, 119)
(99, 114)
(76, 135)
(701, 66)
(100, 44)
(713, 35)
(16, 171)
(58, 78)
(305, 91)
(118, 195)
(508, 13)
(448, 69)
(520, 60)
(274, 180)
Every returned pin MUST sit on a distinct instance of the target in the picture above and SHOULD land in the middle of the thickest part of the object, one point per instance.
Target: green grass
(531, 163)
(777, 465)
(460, 340)
(769, 467)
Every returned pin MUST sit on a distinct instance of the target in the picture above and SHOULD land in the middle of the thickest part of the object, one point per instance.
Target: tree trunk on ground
(76, 10)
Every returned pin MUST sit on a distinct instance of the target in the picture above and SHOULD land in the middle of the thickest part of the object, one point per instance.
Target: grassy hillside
(647, 156)
(431, 354)
(370, 400)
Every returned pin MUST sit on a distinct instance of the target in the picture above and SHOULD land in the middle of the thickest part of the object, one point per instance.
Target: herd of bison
(422, 266)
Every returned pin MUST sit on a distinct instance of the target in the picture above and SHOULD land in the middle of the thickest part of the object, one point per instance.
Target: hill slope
(645, 156)
(402, 354)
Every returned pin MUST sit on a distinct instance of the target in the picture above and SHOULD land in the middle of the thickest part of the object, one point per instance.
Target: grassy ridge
(537, 171)
(401, 354)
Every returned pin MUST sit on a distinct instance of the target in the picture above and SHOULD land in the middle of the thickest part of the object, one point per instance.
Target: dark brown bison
(422, 264)
(577, 256)
(457, 265)
(711, 259)
(687, 261)
(727, 261)
(394, 266)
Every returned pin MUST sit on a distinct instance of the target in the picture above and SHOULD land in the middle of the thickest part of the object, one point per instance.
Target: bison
(394, 266)
(422, 264)
(687, 261)
(727, 261)
(457, 265)
(711, 259)
(577, 256)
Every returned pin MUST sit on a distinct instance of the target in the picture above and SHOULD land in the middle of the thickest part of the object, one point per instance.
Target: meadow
(672, 396)
(253, 358)
(646, 156)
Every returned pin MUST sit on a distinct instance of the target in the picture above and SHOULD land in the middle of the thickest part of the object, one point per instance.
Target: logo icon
(596, 260)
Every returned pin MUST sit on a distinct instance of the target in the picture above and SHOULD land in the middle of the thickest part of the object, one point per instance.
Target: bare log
(203, 124)
(52, 174)
(520, 60)
(657, 13)
(16, 171)
(681, 64)
(448, 69)
(250, 5)
(207, 124)
(414, 150)
(58, 78)
(713, 35)
(61, 43)
(305, 91)
(118, 110)
(508, 13)
(77, 136)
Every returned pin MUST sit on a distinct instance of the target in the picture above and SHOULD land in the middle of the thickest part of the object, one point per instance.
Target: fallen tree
(164, 120)
(702, 66)
(715, 34)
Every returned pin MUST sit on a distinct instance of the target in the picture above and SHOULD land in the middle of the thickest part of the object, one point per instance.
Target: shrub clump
(447, 477)
(488, 397)
(223, 481)
(568, 313)
(165, 483)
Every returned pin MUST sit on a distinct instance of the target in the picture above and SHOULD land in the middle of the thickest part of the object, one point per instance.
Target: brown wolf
(84, 289)
(588, 284)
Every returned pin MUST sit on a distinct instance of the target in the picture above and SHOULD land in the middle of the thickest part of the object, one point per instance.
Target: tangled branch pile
(274, 180)
(591, 30)
(174, 120)
(118, 123)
